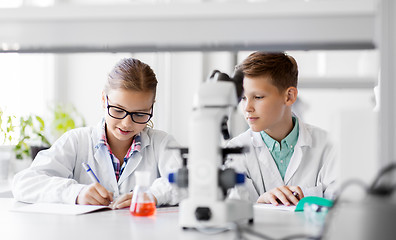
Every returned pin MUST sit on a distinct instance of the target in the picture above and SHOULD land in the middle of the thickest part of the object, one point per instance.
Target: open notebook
(57, 208)
(280, 207)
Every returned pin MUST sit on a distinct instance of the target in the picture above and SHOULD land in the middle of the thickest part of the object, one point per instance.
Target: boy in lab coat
(287, 159)
(121, 144)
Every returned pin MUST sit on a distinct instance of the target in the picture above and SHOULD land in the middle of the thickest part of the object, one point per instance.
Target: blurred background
(338, 79)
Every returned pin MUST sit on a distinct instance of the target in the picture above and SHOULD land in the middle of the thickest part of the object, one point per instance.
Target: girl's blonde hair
(131, 74)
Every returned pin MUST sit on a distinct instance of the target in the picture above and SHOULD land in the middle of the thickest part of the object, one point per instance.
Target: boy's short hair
(280, 68)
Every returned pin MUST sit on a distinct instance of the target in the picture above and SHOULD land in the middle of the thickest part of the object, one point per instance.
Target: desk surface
(368, 219)
(120, 224)
(5, 189)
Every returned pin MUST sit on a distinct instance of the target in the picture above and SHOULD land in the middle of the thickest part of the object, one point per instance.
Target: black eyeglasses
(137, 117)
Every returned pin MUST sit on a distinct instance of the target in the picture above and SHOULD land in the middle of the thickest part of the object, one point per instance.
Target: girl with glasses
(120, 145)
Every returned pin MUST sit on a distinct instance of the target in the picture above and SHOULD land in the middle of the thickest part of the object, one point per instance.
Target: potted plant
(31, 137)
(7, 140)
(37, 134)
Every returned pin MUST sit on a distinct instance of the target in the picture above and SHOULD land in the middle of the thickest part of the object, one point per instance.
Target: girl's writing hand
(94, 194)
(283, 195)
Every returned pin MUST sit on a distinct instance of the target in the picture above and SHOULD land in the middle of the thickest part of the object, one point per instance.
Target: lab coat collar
(257, 141)
(96, 138)
(289, 141)
(271, 176)
(134, 162)
(144, 137)
(304, 138)
(102, 156)
(104, 159)
(304, 141)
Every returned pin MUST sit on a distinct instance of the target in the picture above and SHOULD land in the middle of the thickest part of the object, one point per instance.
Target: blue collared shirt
(283, 151)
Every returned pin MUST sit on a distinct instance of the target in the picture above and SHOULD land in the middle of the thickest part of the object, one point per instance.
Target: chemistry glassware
(142, 203)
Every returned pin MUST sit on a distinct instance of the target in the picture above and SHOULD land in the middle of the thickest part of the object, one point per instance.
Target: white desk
(5, 189)
(370, 218)
(120, 224)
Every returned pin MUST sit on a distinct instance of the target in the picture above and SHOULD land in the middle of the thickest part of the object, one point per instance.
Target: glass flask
(142, 203)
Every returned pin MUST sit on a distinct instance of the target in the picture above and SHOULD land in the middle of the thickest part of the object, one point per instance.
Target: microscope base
(195, 214)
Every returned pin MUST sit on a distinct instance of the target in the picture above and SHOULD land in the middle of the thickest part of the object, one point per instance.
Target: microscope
(203, 171)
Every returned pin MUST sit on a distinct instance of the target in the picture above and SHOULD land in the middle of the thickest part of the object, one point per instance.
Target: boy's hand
(286, 195)
(94, 194)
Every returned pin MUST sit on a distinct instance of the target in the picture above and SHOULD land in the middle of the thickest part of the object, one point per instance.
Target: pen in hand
(90, 172)
(296, 195)
(94, 194)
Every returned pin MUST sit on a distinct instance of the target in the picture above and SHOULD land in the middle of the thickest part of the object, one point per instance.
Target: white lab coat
(313, 165)
(57, 174)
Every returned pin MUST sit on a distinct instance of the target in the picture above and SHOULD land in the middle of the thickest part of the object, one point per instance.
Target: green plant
(7, 128)
(34, 131)
(65, 118)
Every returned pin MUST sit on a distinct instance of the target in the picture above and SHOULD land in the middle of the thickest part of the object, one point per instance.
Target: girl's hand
(286, 195)
(122, 201)
(94, 194)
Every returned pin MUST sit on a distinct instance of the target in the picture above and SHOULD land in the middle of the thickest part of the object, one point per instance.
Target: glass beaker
(142, 203)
